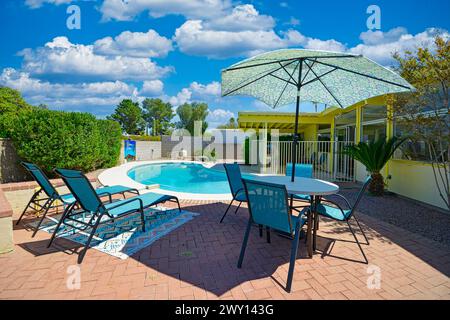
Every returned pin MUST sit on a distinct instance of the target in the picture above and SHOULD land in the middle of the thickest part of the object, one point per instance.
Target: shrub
(56, 139)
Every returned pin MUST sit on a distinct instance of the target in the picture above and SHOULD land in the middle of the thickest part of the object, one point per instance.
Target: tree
(232, 124)
(425, 114)
(129, 115)
(189, 113)
(158, 115)
(374, 155)
(12, 101)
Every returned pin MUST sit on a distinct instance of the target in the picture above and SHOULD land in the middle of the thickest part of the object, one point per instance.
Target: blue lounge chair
(89, 201)
(237, 188)
(302, 170)
(51, 195)
(336, 212)
(268, 205)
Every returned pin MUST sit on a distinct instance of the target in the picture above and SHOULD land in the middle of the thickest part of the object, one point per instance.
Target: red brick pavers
(198, 261)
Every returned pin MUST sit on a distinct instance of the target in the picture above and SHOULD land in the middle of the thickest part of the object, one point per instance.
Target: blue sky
(175, 49)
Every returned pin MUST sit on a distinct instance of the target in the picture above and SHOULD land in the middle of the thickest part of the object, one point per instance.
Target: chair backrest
(234, 177)
(361, 193)
(268, 205)
(81, 189)
(302, 170)
(41, 179)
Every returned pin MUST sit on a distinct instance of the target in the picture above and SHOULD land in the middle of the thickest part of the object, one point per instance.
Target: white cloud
(192, 38)
(242, 17)
(329, 45)
(61, 57)
(378, 37)
(182, 97)
(379, 46)
(128, 10)
(134, 44)
(74, 97)
(34, 4)
(196, 92)
(152, 88)
(212, 88)
(219, 115)
(293, 22)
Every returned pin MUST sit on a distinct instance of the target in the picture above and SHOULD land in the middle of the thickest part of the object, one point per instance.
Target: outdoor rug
(123, 237)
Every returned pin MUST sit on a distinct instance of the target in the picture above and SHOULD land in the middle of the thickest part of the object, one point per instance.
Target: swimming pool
(182, 177)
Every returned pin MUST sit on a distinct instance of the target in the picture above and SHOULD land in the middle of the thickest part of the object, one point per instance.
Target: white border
(119, 176)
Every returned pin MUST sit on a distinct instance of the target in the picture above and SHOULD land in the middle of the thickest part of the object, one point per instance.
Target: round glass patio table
(316, 188)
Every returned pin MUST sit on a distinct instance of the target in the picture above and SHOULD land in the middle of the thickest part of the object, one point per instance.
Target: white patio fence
(326, 157)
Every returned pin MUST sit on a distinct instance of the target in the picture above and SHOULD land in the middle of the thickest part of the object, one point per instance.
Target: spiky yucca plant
(374, 155)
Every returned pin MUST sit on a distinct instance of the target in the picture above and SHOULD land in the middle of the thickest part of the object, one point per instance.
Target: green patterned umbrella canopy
(332, 78)
(286, 76)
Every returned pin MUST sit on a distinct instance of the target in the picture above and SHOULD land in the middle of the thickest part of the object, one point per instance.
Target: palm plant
(374, 155)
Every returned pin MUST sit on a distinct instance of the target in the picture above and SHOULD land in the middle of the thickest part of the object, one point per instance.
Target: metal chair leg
(294, 250)
(268, 234)
(86, 247)
(179, 207)
(226, 211)
(244, 243)
(143, 220)
(235, 211)
(359, 245)
(362, 231)
(47, 207)
(28, 205)
(260, 230)
(65, 213)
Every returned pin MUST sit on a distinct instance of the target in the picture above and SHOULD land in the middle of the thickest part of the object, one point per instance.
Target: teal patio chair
(90, 202)
(236, 186)
(269, 207)
(302, 170)
(337, 213)
(51, 195)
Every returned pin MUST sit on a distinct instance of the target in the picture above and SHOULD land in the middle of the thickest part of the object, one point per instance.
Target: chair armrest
(335, 204)
(341, 197)
(239, 190)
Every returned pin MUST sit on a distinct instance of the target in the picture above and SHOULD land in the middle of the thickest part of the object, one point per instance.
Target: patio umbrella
(286, 76)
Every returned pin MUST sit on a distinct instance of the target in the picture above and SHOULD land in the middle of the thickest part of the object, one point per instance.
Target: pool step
(152, 186)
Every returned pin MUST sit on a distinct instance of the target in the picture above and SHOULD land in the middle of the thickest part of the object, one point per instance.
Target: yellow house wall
(310, 132)
(411, 179)
(414, 180)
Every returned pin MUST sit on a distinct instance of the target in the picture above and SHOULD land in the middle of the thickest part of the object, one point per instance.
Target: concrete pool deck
(119, 176)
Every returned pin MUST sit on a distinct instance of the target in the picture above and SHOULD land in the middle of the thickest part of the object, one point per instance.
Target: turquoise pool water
(182, 177)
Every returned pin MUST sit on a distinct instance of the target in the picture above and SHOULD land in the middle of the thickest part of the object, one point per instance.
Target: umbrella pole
(297, 107)
(294, 147)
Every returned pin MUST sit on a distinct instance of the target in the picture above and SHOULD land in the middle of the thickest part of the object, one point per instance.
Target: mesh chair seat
(303, 197)
(102, 191)
(333, 213)
(148, 200)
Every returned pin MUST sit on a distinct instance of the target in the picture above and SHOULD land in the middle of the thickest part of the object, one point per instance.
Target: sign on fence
(130, 150)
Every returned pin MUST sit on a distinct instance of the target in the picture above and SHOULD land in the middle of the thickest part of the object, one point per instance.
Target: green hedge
(56, 139)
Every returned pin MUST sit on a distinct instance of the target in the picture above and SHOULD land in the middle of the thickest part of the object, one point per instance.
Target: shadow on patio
(204, 253)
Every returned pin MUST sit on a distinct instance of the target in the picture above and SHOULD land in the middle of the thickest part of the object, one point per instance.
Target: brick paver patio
(198, 261)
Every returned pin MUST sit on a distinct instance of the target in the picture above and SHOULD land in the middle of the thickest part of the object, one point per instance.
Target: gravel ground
(429, 222)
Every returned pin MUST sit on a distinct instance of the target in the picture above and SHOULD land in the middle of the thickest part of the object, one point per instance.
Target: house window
(373, 123)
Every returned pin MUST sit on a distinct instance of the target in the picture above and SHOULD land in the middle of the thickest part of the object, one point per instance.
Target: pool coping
(118, 176)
